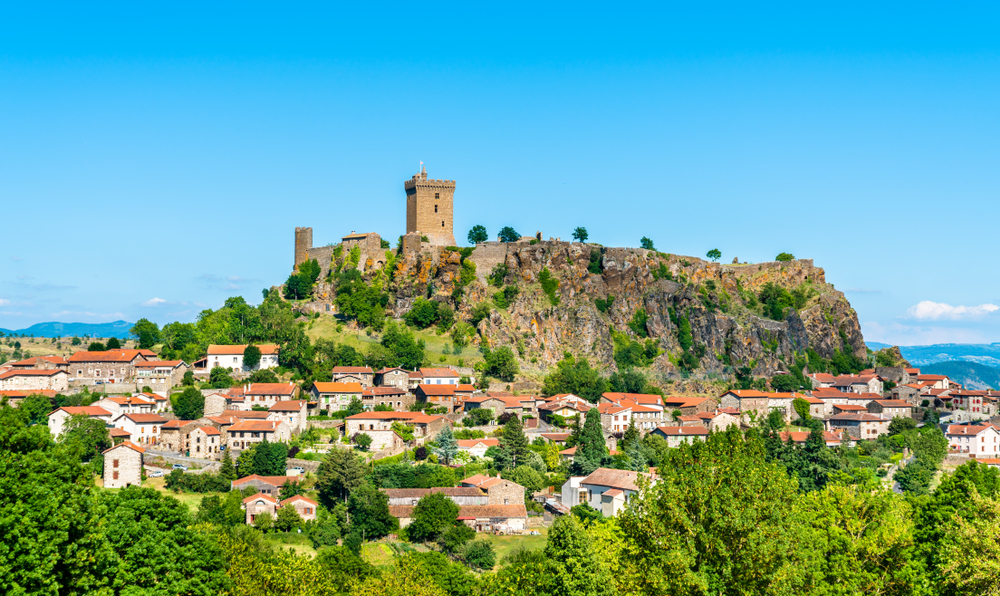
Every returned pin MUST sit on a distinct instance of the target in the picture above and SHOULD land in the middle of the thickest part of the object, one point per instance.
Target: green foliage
(190, 404)
(37, 407)
(423, 314)
(785, 257)
(355, 298)
(363, 441)
(575, 375)
(714, 254)
(629, 353)
(340, 473)
(638, 323)
(595, 265)
(95, 346)
(113, 344)
(146, 332)
(603, 304)
(479, 555)
(432, 516)
(505, 297)
(580, 234)
(661, 272)
(368, 509)
(480, 312)
(549, 285)
(446, 447)
(251, 357)
(478, 417)
(500, 363)
(646, 243)
(406, 475)
(513, 449)
(461, 333)
(405, 351)
(219, 378)
(508, 234)
(498, 275)
(586, 514)
(478, 234)
(299, 285)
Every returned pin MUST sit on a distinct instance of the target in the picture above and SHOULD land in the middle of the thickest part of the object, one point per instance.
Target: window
(437, 196)
(442, 224)
(583, 496)
(114, 475)
(115, 464)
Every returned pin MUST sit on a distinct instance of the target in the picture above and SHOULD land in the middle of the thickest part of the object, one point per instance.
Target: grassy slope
(325, 327)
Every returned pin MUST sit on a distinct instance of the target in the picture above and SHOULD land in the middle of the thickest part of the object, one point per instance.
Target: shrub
(602, 304)
(785, 257)
(549, 285)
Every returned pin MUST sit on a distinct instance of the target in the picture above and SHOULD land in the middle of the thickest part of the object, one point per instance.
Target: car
(180, 467)
(297, 470)
(156, 474)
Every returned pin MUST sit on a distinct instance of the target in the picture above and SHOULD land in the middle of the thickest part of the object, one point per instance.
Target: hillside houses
(230, 357)
(605, 490)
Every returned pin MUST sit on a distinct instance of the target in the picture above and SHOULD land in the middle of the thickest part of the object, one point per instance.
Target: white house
(143, 428)
(231, 357)
(126, 405)
(977, 441)
(677, 435)
(606, 490)
(477, 447)
(291, 412)
(433, 376)
(58, 418)
(34, 379)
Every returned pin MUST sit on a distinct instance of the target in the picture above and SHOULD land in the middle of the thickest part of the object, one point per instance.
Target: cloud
(922, 335)
(4, 302)
(926, 310)
(226, 283)
(95, 315)
(154, 302)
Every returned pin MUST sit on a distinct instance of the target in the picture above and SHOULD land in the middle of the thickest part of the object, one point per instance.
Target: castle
(429, 214)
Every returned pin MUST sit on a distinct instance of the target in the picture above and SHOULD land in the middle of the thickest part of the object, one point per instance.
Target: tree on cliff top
(508, 234)
(580, 234)
(478, 234)
(785, 257)
(714, 254)
(646, 243)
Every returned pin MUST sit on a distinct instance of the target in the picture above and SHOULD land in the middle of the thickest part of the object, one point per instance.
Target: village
(384, 413)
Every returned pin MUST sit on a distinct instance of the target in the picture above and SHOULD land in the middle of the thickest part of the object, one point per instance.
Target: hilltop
(677, 318)
(119, 329)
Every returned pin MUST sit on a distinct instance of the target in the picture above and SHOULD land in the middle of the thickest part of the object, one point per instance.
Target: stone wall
(487, 256)
(430, 208)
(323, 256)
(303, 242)
(128, 469)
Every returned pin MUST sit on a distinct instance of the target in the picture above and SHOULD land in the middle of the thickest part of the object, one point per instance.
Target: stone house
(565, 408)
(650, 400)
(384, 439)
(485, 503)
(217, 403)
(496, 404)
(123, 465)
(34, 380)
(423, 425)
(231, 357)
(477, 447)
(890, 408)
(859, 384)
(38, 362)
(394, 397)
(333, 397)
(304, 506)
(605, 490)
(752, 404)
(936, 381)
(160, 402)
(718, 421)
(975, 440)
(393, 377)
(848, 409)
(247, 433)
(126, 405)
(498, 490)
(144, 428)
(353, 374)
(689, 406)
(267, 485)
(821, 380)
(800, 437)
(677, 435)
(908, 393)
(229, 418)
(970, 401)
(268, 394)
(859, 426)
(109, 367)
(259, 504)
(292, 412)
(160, 375)
(614, 419)
(557, 438)
(58, 418)
(440, 396)
(175, 435)
(205, 442)
(14, 398)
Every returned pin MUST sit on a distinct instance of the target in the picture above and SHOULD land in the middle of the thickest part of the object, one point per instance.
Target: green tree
(500, 363)
(572, 565)
(714, 254)
(113, 344)
(508, 234)
(190, 404)
(432, 516)
(146, 332)
(447, 446)
(95, 346)
(575, 375)
(157, 551)
(287, 519)
(479, 554)
(87, 437)
(363, 441)
(646, 243)
(368, 509)
(340, 473)
(219, 378)
(227, 470)
(37, 407)
(251, 357)
(513, 448)
(785, 257)
(580, 234)
(478, 234)
(592, 445)
(422, 314)
(188, 379)
(970, 550)
(453, 538)
(407, 352)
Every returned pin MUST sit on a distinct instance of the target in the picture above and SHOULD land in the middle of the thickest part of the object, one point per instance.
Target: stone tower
(303, 242)
(429, 208)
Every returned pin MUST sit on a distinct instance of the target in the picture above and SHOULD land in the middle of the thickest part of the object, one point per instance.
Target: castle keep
(429, 209)
(429, 212)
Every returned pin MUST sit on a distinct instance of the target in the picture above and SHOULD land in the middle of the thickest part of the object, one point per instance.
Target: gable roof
(209, 430)
(127, 444)
(677, 431)
(107, 356)
(261, 497)
(145, 418)
(377, 391)
(256, 426)
(271, 389)
(88, 410)
(32, 372)
(223, 350)
(473, 442)
(33, 361)
(438, 372)
(437, 390)
(275, 481)
(294, 405)
(621, 479)
(298, 498)
(352, 369)
(327, 387)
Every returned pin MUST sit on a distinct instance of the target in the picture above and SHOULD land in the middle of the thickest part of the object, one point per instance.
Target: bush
(508, 234)
(479, 554)
(549, 285)
(785, 257)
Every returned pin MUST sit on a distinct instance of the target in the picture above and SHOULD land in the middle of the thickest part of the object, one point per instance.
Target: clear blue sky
(155, 160)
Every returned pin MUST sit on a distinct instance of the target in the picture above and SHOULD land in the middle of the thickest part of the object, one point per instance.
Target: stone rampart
(487, 256)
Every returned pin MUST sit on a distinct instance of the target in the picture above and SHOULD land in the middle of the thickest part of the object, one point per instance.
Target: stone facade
(258, 505)
(430, 208)
(267, 485)
(123, 465)
(303, 242)
(112, 366)
(393, 377)
(305, 507)
(292, 412)
(248, 433)
(33, 379)
(205, 442)
(160, 375)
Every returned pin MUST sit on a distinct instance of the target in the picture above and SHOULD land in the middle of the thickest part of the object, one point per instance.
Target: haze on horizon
(156, 160)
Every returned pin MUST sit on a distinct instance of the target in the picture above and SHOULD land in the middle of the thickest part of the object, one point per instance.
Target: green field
(503, 545)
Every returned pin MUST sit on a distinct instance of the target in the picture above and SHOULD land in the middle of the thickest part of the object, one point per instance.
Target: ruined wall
(303, 242)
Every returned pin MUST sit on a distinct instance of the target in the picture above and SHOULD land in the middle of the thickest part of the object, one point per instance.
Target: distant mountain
(117, 329)
(987, 354)
(970, 374)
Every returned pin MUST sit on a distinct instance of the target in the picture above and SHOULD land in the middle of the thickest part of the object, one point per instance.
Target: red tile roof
(377, 391)
(468, 443)
(298, 498)
(108, 356)
(351, 369)
(271, 389)
(146, 418)
(32, 372)
(294, 405)
(159, 364)
(128, 444)
(209, 430)
(88, 410)
(620, 479)
(438, 390)
(323, 387)
(216, 350)
(255, 426)
(261, 496)
(677, 431)
(438, 372)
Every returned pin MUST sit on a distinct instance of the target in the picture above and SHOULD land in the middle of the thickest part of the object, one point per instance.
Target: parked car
(180, 467)
(155, 474)
(297, 470)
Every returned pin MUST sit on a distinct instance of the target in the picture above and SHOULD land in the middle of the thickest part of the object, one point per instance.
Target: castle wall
(430, 209)
(324, 256)
(487, 256)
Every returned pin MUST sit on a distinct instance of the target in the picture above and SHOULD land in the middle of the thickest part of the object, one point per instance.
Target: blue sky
(155, 160)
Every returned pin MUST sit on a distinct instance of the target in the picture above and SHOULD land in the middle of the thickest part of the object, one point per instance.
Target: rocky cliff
(730, 327)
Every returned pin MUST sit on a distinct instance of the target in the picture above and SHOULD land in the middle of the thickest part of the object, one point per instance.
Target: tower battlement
(430, 208)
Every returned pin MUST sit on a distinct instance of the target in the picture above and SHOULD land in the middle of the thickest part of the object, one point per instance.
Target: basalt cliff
(759, 317)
